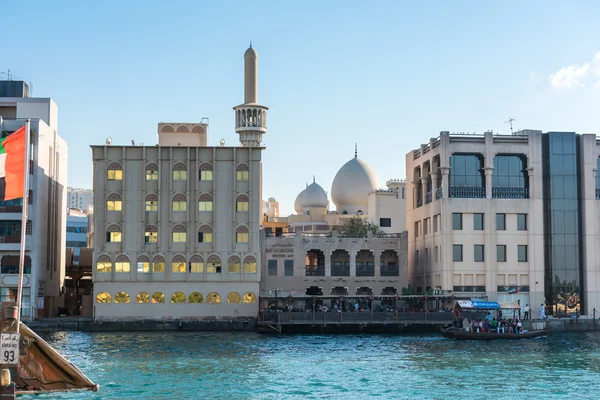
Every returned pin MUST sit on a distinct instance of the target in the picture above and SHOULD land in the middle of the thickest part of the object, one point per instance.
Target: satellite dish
(108, 141)
(222, 142)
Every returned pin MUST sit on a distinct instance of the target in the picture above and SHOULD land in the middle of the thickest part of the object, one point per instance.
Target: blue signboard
(486, 305)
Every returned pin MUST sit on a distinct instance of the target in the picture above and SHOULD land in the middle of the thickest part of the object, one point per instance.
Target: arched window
(115, 172)
(113, 234)
(151, 172)
(205, 235)
(249, 297)
(122, 265)
(143, 264)
(242, 235)
(213, 298)
(196, 265)
(178, 297)
(242, 204)
(233, 297)
(179, 234)
(114, 203)
(158, 264)
(142, 297)
(182, 129)
(151, 203)
(151, 234)
(103, 297)
(179, 203)
(122, 297)
(242, 172)
(178, 265)
(158, 297)
(196, 298)
(213, 265)
(206, 172)
(103, 264)
(205, 204)
(233, 265)
(179, 172)
(249, 265)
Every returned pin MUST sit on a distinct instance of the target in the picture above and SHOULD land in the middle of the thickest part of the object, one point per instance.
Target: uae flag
(12, 165)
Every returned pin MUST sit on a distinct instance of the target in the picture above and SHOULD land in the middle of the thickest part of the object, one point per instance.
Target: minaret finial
(313, 179)
(355, 150)
(306, 184)
(251, 44)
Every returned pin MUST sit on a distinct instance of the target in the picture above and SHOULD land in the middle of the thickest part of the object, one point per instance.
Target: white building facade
(77, 232)
(512, 217)
(177, 224)
(81, 199)
(45, 241)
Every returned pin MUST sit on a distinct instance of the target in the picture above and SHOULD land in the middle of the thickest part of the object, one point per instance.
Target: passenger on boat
(466, 324)
(494, 325)
(519, 327)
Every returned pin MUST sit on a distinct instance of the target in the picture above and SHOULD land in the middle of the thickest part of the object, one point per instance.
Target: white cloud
(586, 75)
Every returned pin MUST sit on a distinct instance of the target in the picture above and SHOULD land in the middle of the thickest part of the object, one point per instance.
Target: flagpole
(23, 223)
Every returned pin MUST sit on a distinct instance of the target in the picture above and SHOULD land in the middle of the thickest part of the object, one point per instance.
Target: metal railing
(464, 192)
(428, 197)
(365, 270)
(311, 270)
(390, 270)
(511, 193)
(11, 209)
(333, 317)
(439, 193)
(10, 239)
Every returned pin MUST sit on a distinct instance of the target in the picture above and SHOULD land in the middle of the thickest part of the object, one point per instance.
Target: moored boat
(460, 334)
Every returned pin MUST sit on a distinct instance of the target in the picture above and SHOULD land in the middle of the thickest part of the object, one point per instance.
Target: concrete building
(513, 217)
(45, 241)
(177, 224)
(77, 232)
(314, 252)
(81, 199)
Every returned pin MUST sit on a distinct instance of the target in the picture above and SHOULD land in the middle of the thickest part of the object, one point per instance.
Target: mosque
(314, 251)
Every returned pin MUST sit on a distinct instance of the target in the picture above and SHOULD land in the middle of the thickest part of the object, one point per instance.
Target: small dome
(250, 53)
(314, 196)
(352, 185)
(298, 203)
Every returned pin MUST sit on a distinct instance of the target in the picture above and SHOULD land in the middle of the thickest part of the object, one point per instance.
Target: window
(500, 222)
(114, 203)
(179, 173)
(417, 229)
(501, 253)
(435, 223)
(242, 204)
(522, 253)
(143, 267)
(288, 267)
(206, 173)
(205, 235)
(234, 265)
(113, 237)
(179, 234)
(456, 221)
(213, 298)
(205, 203)
(142, 297)
(249, 298)
(152, 172)
(158, 264)
(457, 254)
(478, 253)
(196, 298)
(213, 265)
(150, 237)
(510, 179)
(102, 297)
(417, 257)
(249, 265)
(426, 226)
(522, 222)
(179, 205)
(478, 222)
(435, 254)
(178, 265)
(122, 265)
(151, 205)
(158, 297)
(467, 176)
(385, 222)
(272, 267)
(242, 173)
(103, 266)
(233, 298)
(115, 175)
(122, 297)
(196, 265)
(242, 235)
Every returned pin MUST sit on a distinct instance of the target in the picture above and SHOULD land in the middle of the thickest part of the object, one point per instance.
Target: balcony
(390, 270)
(428, 197)
(439, 193)
(10, 239)
(11, 209)
(513, 193)
(464, 192)
(315, 270)
(419, 202)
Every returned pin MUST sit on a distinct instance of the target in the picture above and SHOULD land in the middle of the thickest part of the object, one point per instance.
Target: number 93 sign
(9, 348)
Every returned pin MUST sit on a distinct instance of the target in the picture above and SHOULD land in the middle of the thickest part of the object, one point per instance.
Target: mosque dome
(352, 185)
(298, 203)
(313, 196)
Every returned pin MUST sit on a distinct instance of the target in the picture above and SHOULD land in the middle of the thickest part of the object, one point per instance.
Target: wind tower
(250, 117)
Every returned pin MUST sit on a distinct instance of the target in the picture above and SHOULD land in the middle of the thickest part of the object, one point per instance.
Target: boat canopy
(487, 305)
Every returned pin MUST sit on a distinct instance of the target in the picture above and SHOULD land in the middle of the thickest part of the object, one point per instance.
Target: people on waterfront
(527, 316)
(466, 324)
(543, 312)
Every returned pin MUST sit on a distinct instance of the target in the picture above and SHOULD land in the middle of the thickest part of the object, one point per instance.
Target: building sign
(281, 252)
(9, 348)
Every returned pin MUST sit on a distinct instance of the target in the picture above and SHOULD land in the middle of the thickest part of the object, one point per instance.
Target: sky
(388, 75)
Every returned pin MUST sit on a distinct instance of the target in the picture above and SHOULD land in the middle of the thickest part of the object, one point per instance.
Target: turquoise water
(182, 365)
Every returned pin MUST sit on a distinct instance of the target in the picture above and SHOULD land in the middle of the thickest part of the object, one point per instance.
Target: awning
(487, 305)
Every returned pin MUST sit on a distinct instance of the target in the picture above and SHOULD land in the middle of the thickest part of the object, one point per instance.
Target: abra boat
(460, 334)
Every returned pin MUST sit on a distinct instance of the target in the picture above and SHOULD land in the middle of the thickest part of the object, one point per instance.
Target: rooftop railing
(465, 192)
(510, 193)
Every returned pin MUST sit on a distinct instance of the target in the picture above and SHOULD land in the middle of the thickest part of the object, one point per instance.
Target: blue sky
(388, 75)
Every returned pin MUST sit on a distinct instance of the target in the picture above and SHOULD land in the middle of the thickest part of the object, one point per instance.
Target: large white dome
(298, 203)
(352, 185)
(312, 196)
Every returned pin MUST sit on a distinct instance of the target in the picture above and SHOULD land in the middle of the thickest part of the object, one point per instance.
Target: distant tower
(250, 117)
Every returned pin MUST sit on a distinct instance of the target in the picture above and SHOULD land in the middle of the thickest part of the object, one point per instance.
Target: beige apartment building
(511, 217)
(177, 224)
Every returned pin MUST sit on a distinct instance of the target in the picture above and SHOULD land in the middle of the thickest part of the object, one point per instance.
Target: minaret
(250, 117)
